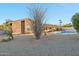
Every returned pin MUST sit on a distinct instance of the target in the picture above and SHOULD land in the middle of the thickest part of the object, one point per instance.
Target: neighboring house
(23, 26)
(49, 27)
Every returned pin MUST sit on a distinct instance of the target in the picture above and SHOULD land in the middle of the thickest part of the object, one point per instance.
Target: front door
(22, 27)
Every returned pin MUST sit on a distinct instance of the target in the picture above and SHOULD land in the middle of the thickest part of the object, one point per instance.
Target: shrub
(68, 25)
(75, 21)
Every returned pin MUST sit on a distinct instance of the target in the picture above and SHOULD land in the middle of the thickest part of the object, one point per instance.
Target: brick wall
(16, 27)
(28, 27)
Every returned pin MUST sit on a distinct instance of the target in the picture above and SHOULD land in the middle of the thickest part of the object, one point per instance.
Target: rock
(4, 38)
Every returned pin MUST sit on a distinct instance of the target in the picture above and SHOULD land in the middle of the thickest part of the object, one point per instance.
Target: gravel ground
(53, 45)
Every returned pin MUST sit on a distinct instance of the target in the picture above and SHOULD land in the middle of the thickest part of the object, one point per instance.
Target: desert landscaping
(34, 35)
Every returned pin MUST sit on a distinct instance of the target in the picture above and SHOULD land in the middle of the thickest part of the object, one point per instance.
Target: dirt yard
(53, 45)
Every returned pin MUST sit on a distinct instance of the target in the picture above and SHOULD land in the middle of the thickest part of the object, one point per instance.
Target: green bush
(68, 25)
(75, 21)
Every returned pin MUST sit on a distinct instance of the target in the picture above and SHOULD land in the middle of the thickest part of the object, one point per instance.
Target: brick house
(23, 26)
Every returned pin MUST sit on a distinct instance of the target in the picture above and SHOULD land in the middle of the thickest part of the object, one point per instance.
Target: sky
(54, 11)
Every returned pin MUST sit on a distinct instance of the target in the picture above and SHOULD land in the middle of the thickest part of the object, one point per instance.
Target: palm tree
(60, 24)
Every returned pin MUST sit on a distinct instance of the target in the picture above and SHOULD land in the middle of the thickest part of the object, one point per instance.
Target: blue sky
(55, 11)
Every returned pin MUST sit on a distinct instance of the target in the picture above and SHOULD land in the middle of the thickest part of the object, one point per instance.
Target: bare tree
(37, 15)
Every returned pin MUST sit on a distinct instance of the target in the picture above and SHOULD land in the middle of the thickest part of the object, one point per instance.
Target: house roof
(22, 19)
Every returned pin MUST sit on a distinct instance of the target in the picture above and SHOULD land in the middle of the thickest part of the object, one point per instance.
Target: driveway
(54, 45)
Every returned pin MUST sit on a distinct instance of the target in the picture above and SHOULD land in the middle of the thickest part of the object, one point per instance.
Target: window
(10, 24)
(50, 28)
